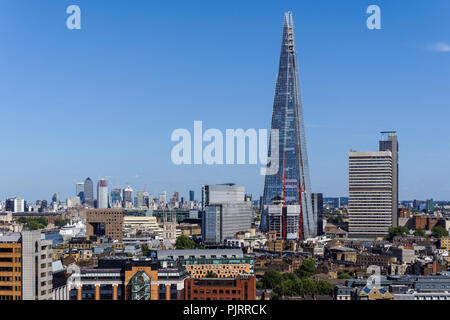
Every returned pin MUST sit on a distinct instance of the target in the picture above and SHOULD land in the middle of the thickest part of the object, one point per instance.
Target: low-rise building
(404, 287)
(80, 243)
(125, 279)
(148, 223)
(238, 288)
(275, 245)
(414, 295)
(404, 255)
(342, 293)
(223, 262)
(445, 243)
(368, 293)
(336, 233)
(382, 260)
(343, 254)
(248, 241)
(60, 287)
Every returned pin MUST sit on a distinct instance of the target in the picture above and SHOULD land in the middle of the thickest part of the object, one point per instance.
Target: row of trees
(183, 242)
(293, 284)
(296, 284)
(33, 223)
(437, 232)
(61, 222)
(40, 223)
(272, 278)
(335, 219)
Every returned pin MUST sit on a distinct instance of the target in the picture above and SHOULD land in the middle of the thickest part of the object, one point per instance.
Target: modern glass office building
(116, 198)
(287, 118)
(225, 212)
(89, 192)
(79, 191)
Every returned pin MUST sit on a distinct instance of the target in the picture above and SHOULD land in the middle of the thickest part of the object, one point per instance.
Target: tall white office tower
(102, 194)
(370, 193)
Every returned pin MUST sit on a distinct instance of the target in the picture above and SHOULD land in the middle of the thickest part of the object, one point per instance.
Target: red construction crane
(284, 209)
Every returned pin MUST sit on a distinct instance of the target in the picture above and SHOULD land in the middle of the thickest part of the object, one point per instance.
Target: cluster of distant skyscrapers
(118, 198)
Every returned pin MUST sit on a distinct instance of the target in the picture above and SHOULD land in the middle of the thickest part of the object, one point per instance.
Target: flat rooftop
(10, 237)
(199, 253)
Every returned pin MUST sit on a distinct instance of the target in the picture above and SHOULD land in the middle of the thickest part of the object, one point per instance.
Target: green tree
(61, 222)
(335, 219)
(419, 232)
(439, 232)
(307, 269)
(288, 284)
(275, 296)
(298, 287)
(22, 220)
(184, 242)
(271, 279)
(397, 231)
(309, 287)
(345, 275)
(33, 224)
(289, 276)
(145, 249)
(285, 288)
(324, 288)
(290, 287)
(43, 221)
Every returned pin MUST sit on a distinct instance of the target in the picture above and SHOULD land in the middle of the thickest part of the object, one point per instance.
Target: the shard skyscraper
(287, 117)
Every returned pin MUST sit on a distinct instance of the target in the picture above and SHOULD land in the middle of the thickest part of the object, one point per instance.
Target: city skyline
(69, 131)
(172, 151)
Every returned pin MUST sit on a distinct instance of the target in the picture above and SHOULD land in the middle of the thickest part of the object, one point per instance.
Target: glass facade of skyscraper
(287, 118)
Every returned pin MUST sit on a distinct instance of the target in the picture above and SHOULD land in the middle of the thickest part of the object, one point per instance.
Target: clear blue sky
(103, 101)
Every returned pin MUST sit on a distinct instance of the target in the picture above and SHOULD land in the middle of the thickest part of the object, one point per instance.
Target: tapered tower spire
(287, 117)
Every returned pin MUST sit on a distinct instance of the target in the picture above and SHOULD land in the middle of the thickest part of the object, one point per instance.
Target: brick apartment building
(382, 260)
(427, 222)
(105, 222)
(239, 288)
